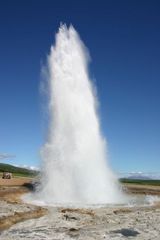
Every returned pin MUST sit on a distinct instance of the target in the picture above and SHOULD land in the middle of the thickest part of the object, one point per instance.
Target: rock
(127, 232)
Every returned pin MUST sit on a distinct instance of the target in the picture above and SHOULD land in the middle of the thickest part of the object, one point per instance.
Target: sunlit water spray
(75, 168)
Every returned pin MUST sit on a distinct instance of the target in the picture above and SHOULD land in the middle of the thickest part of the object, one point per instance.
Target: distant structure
(7, 175)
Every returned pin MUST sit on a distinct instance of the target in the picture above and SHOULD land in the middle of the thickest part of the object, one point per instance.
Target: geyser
(75, 169)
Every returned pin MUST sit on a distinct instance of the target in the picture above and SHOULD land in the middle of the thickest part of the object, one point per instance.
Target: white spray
(75, 167)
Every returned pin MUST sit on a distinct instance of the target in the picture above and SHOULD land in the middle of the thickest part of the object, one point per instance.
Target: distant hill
(18, 171)
(140, 177)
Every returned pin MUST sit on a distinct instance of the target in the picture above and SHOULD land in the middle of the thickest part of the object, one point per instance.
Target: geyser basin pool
(132, 200)
(75, 168)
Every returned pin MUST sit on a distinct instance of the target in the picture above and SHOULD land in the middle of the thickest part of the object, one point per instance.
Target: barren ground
(19, 220)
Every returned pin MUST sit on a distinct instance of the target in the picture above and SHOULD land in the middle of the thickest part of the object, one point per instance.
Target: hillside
(17, 171)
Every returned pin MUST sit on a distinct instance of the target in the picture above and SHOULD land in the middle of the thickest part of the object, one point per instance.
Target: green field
(140, 181)
(17, 171)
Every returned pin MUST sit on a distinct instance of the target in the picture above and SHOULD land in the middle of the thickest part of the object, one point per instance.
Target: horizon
(123, 42)
(120, 175)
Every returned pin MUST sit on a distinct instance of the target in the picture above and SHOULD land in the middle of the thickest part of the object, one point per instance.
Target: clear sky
(123, 38)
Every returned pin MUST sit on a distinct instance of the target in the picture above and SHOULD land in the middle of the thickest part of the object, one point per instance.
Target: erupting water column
(75, 168)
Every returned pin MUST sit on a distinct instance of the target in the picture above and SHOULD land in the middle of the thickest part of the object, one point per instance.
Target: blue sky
(123, 38)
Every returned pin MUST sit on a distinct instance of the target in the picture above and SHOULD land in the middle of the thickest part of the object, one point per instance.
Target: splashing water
(75, 168)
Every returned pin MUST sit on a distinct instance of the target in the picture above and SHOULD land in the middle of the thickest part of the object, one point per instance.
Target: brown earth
(11, 191)
(128, 187)
(141, 189)
(6, 222)
(15, 181)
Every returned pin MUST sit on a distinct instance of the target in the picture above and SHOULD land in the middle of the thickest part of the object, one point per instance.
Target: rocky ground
(19, 220)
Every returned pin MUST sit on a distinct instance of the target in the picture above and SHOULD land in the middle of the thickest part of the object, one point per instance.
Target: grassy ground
(19, 175)
(140, 181)
(17, 171)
